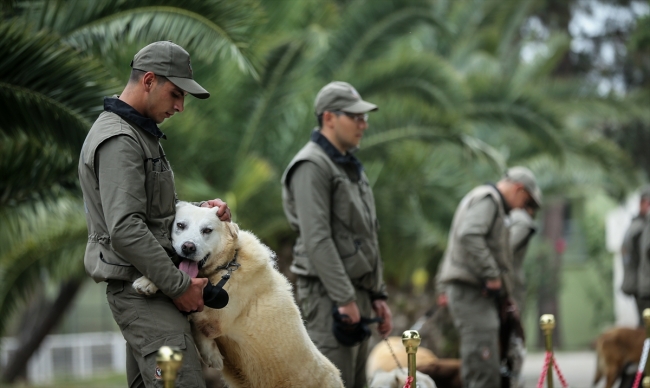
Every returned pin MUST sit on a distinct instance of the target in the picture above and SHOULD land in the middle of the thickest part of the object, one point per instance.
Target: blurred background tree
(465, 89)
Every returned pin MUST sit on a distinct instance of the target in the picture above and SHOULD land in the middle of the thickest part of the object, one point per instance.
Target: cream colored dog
(258, 339)
(397, 379)
(444, 372)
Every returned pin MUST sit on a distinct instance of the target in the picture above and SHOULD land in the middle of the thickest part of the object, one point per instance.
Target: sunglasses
(357, 117)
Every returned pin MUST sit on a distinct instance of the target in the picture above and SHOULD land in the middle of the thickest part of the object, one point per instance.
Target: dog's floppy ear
(233, 229)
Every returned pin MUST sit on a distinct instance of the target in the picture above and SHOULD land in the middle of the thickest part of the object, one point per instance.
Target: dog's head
(199, 235)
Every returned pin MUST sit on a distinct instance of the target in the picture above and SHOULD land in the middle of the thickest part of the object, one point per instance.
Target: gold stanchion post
(169, 361)
(547, 324)
(411, 340)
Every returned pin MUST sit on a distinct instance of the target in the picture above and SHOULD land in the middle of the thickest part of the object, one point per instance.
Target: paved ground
(578, 368)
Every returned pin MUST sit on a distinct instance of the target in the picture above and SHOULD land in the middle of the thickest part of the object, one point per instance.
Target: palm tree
(457, 105)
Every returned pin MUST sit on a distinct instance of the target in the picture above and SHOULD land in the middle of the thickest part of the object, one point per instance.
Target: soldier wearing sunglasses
(328, 200)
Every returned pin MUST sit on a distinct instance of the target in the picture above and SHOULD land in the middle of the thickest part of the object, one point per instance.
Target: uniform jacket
(129, 198)
(522, 228)
(478, 248)
(630, 251)
(331, 205)
(643, 274)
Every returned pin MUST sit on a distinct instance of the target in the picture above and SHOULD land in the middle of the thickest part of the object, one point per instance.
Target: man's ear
(148, 79)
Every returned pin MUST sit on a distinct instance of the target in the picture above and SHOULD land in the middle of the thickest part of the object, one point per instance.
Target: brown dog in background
(615, 349)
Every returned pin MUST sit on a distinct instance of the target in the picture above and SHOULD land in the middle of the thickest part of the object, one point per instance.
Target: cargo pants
(476, 319)
(147, 323)
(316, 309)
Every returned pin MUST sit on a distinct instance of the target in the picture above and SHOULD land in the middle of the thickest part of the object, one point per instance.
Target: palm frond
(49, 241)
(208, 29)
(367, 27)
(281, 63)
(56, 97)
(540, 127)
(33, 171)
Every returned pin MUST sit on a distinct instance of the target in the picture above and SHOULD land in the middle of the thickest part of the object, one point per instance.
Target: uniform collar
(333, 153)
(127, 112)
(506, 207)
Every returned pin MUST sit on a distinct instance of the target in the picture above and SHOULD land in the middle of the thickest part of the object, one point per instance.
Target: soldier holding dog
(476, 271)
(129, 198)
(328, 200)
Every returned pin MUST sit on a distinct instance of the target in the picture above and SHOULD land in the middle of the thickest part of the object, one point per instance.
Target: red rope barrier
(409, 381)
(642, 362)
(547, 363)
(542, 377)
(637, 379)
(559, 375)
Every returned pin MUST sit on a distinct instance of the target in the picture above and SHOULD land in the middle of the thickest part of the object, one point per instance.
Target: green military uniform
(129, 197)
(522, 228)
(478, 249)
(643, 273)
(328, 200)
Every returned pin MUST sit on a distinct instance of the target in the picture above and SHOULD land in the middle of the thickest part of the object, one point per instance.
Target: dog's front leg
(145, 286)
(207, 346)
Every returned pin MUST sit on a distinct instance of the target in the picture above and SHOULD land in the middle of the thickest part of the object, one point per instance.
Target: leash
(231, 267)
(399, 366)
(393, 354)
(215, 296)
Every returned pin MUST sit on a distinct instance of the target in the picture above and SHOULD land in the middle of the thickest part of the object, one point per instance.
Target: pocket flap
(177, 340)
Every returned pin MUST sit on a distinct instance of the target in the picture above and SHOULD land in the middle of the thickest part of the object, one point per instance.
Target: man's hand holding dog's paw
(192, 299)
(224, 211)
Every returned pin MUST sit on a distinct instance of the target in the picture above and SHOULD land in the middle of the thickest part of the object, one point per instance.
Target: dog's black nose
(188, 248)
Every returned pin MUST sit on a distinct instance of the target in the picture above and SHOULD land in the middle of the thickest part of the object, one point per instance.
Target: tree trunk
(42, 316)
(547, 302)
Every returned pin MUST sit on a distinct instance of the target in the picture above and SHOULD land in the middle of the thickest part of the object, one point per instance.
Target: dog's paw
(214, 360)
(209, 352)
(144, 286)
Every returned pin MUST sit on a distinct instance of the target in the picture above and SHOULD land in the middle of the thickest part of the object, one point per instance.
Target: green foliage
(457, 106)
(41, 243)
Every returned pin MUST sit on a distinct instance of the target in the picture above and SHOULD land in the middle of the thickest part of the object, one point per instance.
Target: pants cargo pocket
(123, 309)
(189, 375)
(308, 297)
(480, 360)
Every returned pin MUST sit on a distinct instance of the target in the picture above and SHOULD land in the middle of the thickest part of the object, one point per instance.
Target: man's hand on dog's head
(224, 211)
(192, 299)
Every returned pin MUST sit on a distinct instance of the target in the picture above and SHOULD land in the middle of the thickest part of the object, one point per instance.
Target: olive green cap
(171, 61)
(341, 96)
(527, 179)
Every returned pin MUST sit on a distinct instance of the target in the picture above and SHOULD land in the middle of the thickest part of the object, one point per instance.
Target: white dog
(258, 339)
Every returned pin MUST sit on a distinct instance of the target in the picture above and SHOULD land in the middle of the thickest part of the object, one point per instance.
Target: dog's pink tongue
(189, 267)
